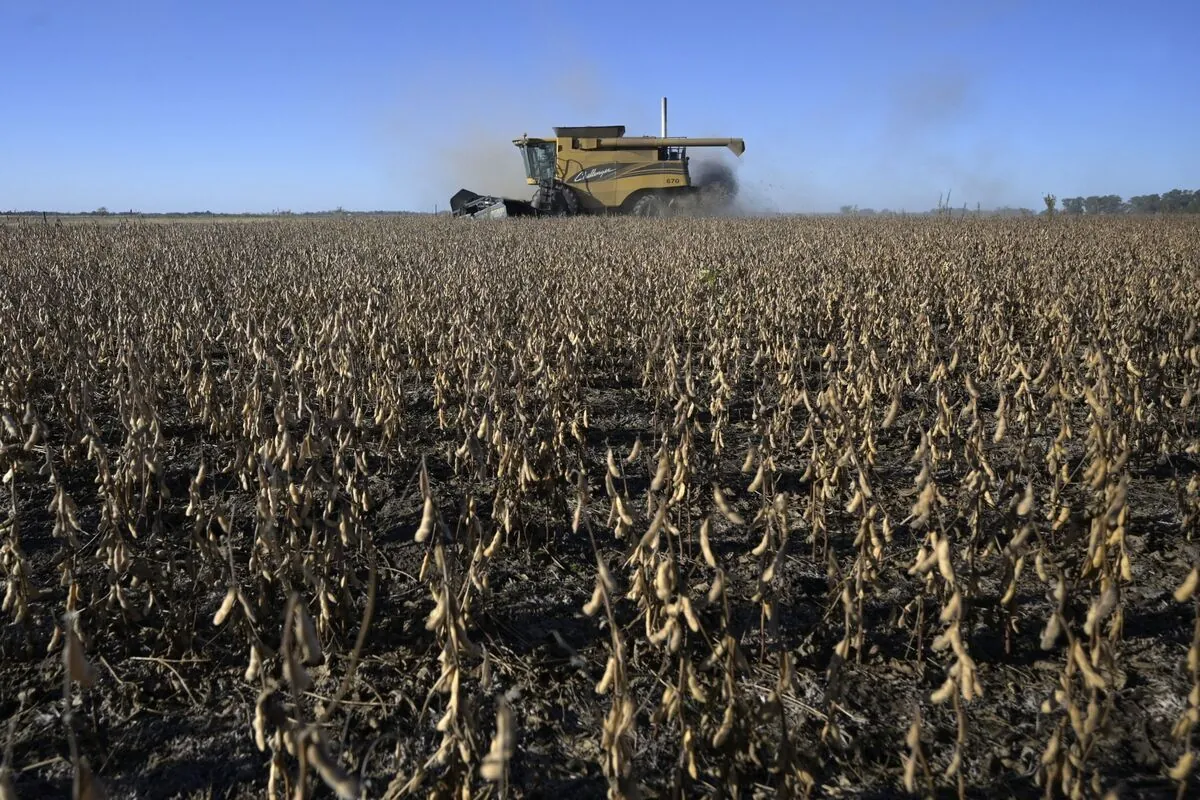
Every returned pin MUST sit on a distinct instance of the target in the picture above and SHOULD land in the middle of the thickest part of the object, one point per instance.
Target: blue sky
(264, 105)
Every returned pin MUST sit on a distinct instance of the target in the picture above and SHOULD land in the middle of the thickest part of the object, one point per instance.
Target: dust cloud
(482, 160)
(710, 174)
(918, 134)
(935, 138)
(897, 140)
(451, 134)
(725, 192)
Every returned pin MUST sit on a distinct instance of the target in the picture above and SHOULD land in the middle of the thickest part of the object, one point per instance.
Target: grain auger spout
(597, 169)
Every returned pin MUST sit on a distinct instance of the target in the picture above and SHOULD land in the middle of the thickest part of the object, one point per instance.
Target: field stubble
(588, 507)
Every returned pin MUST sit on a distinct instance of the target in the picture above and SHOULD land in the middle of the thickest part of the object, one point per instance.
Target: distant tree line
(1176, 201)
(1002, 211)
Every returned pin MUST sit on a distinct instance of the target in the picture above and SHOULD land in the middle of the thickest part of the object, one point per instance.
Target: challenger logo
(601, 172)
(608, 172)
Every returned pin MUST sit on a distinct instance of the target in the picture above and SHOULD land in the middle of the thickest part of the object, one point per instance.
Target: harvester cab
(540, 157)
(597, 169)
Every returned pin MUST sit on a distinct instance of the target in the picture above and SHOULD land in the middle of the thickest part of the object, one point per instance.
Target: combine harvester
(599, 170)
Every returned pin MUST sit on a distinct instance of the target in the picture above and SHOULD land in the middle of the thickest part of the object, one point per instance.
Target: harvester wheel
(570, 201)
(648, 205)
(557, 200)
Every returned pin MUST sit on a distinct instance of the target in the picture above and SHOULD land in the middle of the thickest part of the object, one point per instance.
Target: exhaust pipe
(664, 118)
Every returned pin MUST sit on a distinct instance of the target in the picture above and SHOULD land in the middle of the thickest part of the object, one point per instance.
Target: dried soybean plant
(1185, 726)
(805, 427)
(1085, 691)
(452, 767)
(619, 726)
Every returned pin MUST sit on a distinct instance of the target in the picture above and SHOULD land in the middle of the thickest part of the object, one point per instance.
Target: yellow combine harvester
(599, 170)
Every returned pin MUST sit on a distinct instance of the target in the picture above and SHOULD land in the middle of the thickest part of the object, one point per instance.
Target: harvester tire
(570, 201)
(648, 205)
(557, 200)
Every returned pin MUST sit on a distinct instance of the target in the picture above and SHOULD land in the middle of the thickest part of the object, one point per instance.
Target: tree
(1103, 204)
(1050, 201)
(1145, 204)
(1177, 201)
